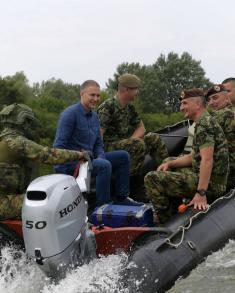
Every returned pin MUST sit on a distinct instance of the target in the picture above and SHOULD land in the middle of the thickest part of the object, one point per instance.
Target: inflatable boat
(57, 235)
(158, 260)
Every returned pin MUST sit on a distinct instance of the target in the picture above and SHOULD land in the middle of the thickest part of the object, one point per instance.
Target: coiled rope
(182, 229)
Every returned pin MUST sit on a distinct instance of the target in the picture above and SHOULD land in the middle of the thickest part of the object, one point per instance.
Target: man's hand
(199, 202)
(84, 156)
(163, 167)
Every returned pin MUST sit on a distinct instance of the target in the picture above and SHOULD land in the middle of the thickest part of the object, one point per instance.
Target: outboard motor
(55, 225)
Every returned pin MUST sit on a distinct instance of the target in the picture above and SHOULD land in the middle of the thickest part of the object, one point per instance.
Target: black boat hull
(155, 266)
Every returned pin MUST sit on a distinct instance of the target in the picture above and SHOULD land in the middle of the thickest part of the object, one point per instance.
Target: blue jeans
(117, 163)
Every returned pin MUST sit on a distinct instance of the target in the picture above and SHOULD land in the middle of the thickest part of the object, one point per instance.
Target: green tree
(47, 110)
(175, 73)
(58, 89)
(14, 89)
(163, 81)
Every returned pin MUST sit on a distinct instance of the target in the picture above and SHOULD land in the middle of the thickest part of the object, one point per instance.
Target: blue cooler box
(123, 216)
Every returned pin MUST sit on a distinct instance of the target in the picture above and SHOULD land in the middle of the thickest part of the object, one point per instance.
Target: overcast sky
(75, 40)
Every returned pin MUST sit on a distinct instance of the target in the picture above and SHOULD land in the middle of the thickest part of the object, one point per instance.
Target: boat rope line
(182, 229)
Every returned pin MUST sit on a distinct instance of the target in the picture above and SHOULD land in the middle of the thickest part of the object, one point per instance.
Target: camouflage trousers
(10, 206)
(139, 147)
(165, 186)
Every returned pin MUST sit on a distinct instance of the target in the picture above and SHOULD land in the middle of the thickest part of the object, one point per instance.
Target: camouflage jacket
(17, 155)
(209, 133)
(226, 119)
(118, 122)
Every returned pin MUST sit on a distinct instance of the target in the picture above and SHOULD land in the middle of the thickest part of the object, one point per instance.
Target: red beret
(216, 88)
(191, 93)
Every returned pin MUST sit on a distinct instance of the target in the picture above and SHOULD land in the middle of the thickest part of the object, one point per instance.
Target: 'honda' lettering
(70, 207)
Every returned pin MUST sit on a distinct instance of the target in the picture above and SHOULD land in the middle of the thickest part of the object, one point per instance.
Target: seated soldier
(18, 153)
(208, 160)
(224, 113)
(122, 128)
(229, 86)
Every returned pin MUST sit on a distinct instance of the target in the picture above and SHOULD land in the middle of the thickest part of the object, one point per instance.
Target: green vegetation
(154, 122)
(157, 103)
(163, 81)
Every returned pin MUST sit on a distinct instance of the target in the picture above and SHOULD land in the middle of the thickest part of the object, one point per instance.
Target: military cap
(16, 114)
(129, 80)
(191, 93)
(215, 89)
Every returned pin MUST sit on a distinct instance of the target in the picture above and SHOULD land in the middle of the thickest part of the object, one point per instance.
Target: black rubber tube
(157, 265)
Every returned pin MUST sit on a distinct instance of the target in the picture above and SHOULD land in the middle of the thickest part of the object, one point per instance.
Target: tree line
(157, 103)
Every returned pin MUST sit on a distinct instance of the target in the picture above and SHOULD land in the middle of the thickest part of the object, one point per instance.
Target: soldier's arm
(180, 162)
(104, 113)
(205, 140)
(136, 122)
(36, 152)
(206, 165)
(139, 131)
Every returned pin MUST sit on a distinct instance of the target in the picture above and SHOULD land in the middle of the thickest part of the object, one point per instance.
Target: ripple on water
(215, 275)
(19, 275)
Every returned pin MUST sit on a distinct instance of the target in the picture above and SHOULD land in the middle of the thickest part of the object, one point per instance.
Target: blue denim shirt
(78, 130)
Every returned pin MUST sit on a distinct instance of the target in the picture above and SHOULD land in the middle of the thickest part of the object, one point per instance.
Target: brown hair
(88, 83)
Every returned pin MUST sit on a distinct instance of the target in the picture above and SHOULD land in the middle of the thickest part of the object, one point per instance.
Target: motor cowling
(55, 224)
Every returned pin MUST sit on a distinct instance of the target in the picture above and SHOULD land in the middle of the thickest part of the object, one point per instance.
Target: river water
(215, 274)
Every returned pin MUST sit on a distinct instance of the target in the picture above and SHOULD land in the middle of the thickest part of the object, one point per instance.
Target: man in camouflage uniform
(17, 155)
(207, 178)
(224, 113)
(122, 128)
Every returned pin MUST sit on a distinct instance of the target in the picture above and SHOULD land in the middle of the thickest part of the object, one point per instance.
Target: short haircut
(201, 99)
(229, 79)
(88, 83)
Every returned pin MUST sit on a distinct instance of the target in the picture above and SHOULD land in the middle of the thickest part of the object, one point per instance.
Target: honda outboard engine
(55, 225)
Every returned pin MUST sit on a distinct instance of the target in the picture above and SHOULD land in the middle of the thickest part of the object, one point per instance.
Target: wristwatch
(202, 192)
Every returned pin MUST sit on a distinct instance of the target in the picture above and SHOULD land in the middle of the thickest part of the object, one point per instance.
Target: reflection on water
(216, 274)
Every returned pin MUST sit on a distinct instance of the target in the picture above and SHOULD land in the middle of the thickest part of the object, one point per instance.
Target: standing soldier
(207, 178)
(17, 155)
(224, 113)
(122, 128)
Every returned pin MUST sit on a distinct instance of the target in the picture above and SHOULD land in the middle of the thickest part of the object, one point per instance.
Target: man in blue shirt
(79, 129)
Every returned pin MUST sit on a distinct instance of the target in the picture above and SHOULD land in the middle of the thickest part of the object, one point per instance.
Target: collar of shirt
(121, 107)
(83, 111)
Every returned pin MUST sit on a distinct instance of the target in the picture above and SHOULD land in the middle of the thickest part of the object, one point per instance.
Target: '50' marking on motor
(37, 225)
